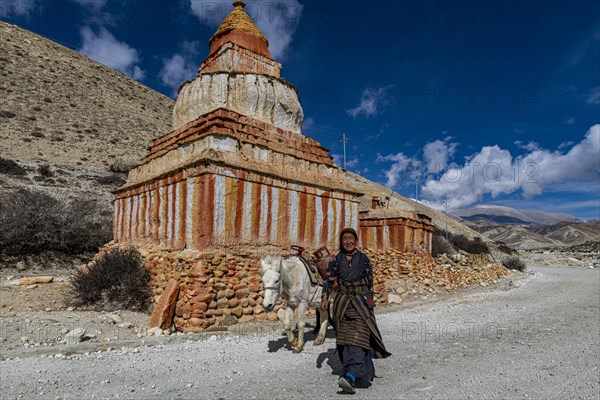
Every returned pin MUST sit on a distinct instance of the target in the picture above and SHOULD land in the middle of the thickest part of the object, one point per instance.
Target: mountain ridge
(503, 214)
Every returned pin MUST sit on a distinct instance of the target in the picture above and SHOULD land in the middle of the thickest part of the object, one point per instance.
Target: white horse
(287, 276)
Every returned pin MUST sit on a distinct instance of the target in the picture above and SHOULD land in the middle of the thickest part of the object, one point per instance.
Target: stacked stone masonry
(216, 284)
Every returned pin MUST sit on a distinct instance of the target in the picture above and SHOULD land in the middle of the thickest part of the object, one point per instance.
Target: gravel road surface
(534, 338)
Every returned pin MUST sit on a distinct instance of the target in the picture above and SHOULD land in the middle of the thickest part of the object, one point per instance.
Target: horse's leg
(301, 310)
(317, 322)
(322, 327)
(287, 323)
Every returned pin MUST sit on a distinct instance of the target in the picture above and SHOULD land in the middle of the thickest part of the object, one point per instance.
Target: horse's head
(270, 268)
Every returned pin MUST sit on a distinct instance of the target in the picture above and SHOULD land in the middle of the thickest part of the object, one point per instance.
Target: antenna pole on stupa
(344, 139)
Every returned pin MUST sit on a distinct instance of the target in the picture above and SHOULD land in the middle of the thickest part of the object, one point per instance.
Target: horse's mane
(270, 262)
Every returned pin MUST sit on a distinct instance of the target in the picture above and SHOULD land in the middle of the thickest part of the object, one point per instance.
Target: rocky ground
(511, 339)
(529, 335)
(586, 255)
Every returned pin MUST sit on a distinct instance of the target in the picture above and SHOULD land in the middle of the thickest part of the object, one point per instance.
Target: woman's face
(348, 242)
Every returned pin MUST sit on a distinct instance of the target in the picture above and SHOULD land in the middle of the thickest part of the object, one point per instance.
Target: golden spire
(238, 19)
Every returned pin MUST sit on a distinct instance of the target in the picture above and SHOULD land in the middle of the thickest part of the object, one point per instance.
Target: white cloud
(175, 71)
(370, 101)
(403, 168)
(570, 121)
(493, 171)
(531, 146)
(19, 8)
(518, 127)
(564, 145)
(106, 49)
(585, 48)
(138, 73)
(593, 96)
(277, 20)
(308, 124)
(338, 159)
(436, 154)
(180, 67)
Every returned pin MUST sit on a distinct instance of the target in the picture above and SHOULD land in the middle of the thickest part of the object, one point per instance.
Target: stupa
(236, 171)
(236, 179)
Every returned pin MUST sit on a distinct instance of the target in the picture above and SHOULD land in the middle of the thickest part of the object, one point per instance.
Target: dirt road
(538, 339)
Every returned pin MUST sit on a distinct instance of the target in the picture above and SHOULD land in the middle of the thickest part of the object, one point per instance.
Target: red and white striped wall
(401, 234)
(231, 207)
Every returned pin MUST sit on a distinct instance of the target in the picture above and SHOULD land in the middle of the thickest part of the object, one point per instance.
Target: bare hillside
(62, 108)
(540, 236)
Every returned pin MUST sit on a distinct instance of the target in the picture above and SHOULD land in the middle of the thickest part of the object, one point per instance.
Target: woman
(351, 307)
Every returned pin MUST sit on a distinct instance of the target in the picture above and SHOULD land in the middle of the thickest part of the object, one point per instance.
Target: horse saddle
(316, 268)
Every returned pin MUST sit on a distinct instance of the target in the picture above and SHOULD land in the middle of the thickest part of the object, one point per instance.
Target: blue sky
(486, 103)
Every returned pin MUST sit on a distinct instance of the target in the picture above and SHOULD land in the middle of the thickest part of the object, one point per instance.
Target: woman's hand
(370, 302)
(324, 303)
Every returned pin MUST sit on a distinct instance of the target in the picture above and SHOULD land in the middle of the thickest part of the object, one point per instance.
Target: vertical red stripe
(182, 214)
(144, 216)
(173, 201)
(256, 210)
(130, 208)
(325, 227)
(239, 209)
(302, 205)
(343, 215)
(269, 213)
(311, 218)
(283, 222)
(379, 232)
(164, 212)
(156, 212)
(205, 229)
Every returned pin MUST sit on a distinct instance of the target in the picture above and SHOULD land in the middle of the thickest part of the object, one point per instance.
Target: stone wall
(216, 284)
(398, 274)
(212, 285)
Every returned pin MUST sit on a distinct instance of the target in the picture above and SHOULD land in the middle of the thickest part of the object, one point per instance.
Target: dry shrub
(122, 165)
(439, 245)
(503, 247)
(45, 170)
(514, 263)
(474, 246)
(113, 179)
(117, 279)
(10, 167)
(461, 242)
(33, 222)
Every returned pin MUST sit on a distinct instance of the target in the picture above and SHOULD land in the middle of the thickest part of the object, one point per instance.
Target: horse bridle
(274, 287)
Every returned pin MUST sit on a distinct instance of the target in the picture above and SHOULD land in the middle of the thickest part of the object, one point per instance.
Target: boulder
(162, 316)
(75, 336)
(35, 279)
